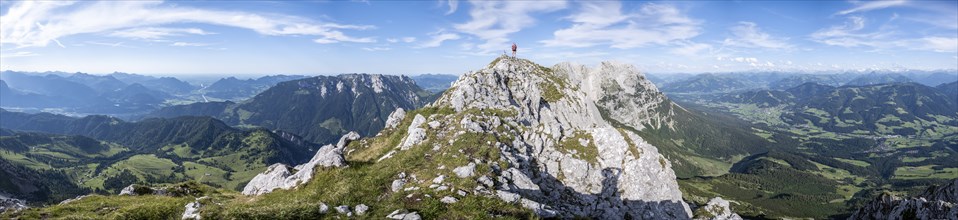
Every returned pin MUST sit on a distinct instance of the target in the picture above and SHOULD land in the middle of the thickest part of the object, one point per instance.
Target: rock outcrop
(176, 190)
(564, 157)
(11, 204)
(394, 118)
(936, 202)
(716, 209)
(282, 176)
(192, 210)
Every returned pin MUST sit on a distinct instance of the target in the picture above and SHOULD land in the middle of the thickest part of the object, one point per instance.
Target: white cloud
(691, 49)
(36, 24)
(376, 48)
(851, 34)
(117, 44)
(188, 44)
(602, 23)
(748, 34)
(494, 21)
(18, 54)
(872, 5)
(405, 39)
(937, 44)
(154, 33)
(453, 5)
(437, 38)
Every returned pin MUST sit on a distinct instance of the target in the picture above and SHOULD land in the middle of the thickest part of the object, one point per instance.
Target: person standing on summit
(514, 49)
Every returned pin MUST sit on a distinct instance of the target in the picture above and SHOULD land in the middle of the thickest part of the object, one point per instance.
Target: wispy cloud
(691, 49)
(376, 48)
(603, 23)
(453, 5)
(872, 5)
(436, 39)
(117, 44)
(852, 34)
(188, 44)
(155, 33)
(749, 35)
(494, 21)
(18, 54)
(36, 24)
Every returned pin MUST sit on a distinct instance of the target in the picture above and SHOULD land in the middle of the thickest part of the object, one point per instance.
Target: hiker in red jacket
(514, 49)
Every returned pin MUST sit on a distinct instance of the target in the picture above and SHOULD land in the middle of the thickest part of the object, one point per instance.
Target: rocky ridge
(936, 202)
(557, 154)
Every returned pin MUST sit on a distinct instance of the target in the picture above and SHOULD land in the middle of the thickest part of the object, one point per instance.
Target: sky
(454, 37)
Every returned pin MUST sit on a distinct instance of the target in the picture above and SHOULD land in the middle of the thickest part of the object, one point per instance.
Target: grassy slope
(363, 182)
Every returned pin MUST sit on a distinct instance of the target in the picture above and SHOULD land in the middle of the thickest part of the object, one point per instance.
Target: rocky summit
(558, 155)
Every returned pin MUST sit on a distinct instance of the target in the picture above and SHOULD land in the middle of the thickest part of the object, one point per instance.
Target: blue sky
(414, 37)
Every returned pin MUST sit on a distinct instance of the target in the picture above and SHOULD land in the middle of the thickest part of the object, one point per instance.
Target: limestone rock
(394, 118)
(343, 209)
(193, 210)
(397, 185)
(128, 190)
(936, 202)
(465, 171)
(323, 208)
(415, 134)
(361, 209)
(716, 209)
(12, 204)
(545, 109)
(404, 215)
(281, 176)
(448, 200)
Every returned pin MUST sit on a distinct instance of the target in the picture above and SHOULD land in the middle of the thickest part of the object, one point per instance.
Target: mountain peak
(560, 122)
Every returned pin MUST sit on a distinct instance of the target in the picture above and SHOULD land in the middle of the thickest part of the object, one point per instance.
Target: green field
(925, 172)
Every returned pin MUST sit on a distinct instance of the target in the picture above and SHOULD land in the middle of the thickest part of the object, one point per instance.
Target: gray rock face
(404, 215)
(128, 190)
(193, 210)
(414, 134)
(361, 209)
(449, 200)
(281, 176)
(716, 209)
(11, 204)
(394, 118)
(465, 171)
(937, 202)
(343, 209)
(612, 174)
(323, 208)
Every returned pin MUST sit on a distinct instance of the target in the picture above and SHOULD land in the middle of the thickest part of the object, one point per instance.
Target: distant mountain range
(738, 82)
(125, 94)
(86, 93)
(320, 108)
(231, 88)
(434, 82)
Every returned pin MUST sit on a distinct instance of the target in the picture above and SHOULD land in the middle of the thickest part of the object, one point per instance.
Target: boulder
(281, 176)
(716, 209)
